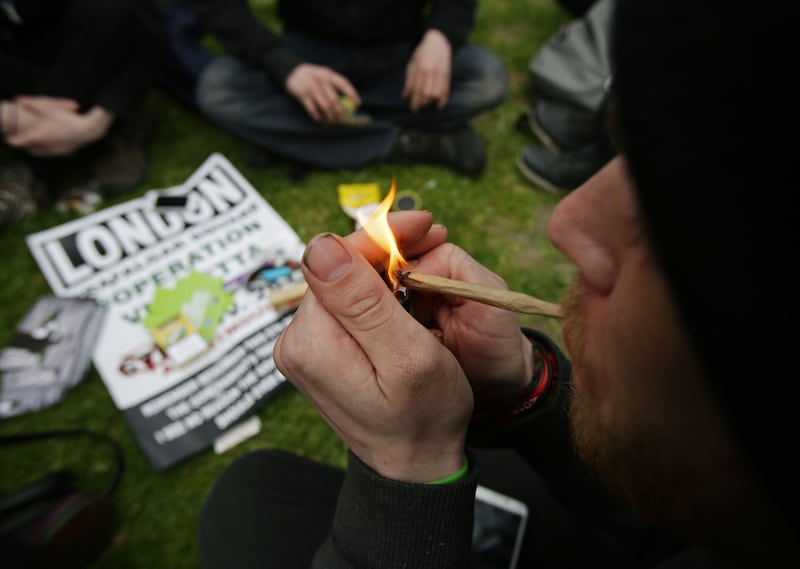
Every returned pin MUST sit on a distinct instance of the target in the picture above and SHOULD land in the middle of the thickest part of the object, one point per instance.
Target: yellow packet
(359, 199)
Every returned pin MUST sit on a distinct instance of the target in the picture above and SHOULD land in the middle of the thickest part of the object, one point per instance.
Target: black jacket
(30, 41)
(242, 34)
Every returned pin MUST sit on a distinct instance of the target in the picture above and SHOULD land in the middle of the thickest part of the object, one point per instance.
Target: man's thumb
(355, 294)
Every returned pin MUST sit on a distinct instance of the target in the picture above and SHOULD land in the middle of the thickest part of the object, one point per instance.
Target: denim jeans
(247, 103)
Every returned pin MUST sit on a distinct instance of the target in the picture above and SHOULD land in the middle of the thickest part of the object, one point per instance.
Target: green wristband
(456, 476)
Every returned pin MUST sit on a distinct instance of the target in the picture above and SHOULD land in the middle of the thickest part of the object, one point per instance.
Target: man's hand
(396, 393)
(390, 390)
(51, 126)
(428, 72)
(488, 343)
(319, 90)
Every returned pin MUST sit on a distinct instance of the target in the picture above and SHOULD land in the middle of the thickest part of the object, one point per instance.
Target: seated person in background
(75, 75)
(345, 84)
(681, 324)
(570, 78)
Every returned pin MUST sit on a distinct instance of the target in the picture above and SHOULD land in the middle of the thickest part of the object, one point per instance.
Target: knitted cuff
(456, 476)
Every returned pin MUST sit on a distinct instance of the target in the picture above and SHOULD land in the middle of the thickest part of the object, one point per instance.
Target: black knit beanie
(707, 118)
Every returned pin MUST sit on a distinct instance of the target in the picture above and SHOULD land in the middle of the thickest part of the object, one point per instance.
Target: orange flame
(376, 224)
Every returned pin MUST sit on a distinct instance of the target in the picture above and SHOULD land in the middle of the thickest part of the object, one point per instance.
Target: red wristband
(541, 385)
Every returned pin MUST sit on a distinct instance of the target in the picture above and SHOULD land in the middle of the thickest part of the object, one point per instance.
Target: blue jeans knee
(480, 81)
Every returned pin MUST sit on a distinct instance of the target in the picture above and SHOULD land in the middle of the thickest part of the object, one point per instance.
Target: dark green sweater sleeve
(386, 524)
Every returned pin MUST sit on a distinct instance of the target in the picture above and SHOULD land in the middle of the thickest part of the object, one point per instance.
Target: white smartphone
(499, 529)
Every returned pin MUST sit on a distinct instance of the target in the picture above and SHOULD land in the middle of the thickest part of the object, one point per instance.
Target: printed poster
(195, 292)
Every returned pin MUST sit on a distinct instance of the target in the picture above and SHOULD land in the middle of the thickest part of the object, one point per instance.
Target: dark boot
(562, 172)
(460, 149)
(563, 127)
(19, 192)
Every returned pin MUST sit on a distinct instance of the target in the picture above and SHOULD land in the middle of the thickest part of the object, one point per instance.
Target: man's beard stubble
(639, 468)
(618, 457)
(591, 446)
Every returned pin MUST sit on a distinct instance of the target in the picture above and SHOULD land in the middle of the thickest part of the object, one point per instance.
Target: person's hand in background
(319, 89)
(428, 72)
(52, 126)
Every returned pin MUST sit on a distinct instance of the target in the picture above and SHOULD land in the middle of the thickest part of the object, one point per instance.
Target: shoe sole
(532, 176)
(541, 133)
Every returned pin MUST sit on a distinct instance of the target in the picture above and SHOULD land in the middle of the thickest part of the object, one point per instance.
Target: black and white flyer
(197, 282)
(49, 353)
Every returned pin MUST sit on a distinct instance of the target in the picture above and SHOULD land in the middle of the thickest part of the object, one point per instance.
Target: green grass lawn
(499, 218)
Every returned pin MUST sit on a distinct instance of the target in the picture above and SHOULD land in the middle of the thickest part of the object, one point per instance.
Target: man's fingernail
(326, 258)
